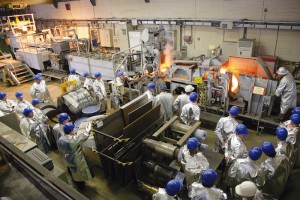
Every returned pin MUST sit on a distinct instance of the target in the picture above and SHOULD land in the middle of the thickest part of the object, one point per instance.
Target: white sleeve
(176, 103)
(97, 90)
(218, 130)
(280, 88)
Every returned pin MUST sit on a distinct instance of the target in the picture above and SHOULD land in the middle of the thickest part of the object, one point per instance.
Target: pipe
(162, 148)
(160, 171)
(180, 127)
(147, 188)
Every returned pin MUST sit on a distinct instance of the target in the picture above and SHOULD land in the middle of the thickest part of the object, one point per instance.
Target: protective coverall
(21, 105)
(7, 106)
(166, 100)
(88, 83)
(75, 77)
(41, 118)
(1, 113)
(245, 169)
(193, 166)
(99, 89)
(40, 91)
(33, 131)
(58, 131)
(161, 194)
(225, 127)
(287, 90)
(284, 148)
(190, 113)
(180, 101)
(235, 148)
(292, 132)
(70, 146)
(197, 189)
(276, 170)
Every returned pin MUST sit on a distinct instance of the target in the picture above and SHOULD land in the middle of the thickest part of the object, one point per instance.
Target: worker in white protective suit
(73, 76)
(21, 104)
(243, 169)
(247, 190)
(33, 131)
(225, 127)
(235, 147)
(292, 126)
(120, 77)
(173, 187)
(200, 135)
(40, 91)
(88, 82)
(151, 87)
(99, 89)
(287, 91)
(191, 112)
(183, 99)
(193, 162)
(42, 119)
(70, 145)
(6, 105)
(283, 147)
(276, 169)
(165, 100)
(206, 189)
(58, 129)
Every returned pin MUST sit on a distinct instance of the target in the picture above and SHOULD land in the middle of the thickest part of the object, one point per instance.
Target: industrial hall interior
(150, 99)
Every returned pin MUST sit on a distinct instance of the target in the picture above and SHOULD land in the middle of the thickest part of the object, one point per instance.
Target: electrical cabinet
(106, 38)
(246, 47)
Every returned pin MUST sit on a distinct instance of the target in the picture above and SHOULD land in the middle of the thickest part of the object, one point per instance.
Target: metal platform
(55, 74)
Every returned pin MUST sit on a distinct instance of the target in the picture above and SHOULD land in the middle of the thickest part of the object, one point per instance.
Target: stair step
(23, 72)
(26, 80)
(24, 77)
(18, 70)
(18, 65)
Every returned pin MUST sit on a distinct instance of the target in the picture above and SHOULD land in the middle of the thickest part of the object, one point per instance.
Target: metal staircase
(16, 70)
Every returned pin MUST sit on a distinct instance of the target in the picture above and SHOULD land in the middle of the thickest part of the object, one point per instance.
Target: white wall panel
(283, 10)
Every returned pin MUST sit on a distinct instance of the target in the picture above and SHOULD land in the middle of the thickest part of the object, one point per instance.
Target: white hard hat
(246, 189)
(282, 71)
(189, 88)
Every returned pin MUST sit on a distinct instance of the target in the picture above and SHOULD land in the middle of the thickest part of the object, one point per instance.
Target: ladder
(18, 71)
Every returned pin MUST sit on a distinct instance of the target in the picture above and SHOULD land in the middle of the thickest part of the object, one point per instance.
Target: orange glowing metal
(234, 82)
(168, 59)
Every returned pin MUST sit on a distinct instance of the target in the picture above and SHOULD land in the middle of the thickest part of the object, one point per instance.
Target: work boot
(280, 118)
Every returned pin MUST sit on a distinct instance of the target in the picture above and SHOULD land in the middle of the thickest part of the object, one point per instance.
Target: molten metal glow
(150, 74)
(234, 82)
(168, 59)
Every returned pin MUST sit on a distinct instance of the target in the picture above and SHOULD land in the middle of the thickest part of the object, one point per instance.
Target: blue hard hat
(98, 74)
(151, 85)
(68, 127)
(173, 187)
(200, 135)
(163, 87)
(234, 110)
(27, 111)
(281, 133)
(241, 129)
(193, 96)
(72, 71)
(268, 149)
(295, 118)
(39, 74)
(208, 178)
(36, 77)
(85, 74)
(2, 95)
(120, 73)
(35, 101)
(62, 117)
(192, 144)
(255, 153)
(296, 110)
(19, 94)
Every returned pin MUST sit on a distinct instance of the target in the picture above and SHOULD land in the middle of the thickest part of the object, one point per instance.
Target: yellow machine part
(67, 84)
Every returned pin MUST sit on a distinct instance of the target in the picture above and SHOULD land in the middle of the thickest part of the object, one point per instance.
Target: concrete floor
(99, 187)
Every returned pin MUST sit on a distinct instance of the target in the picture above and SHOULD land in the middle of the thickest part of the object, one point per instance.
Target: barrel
(91, 111)
(79, 121)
